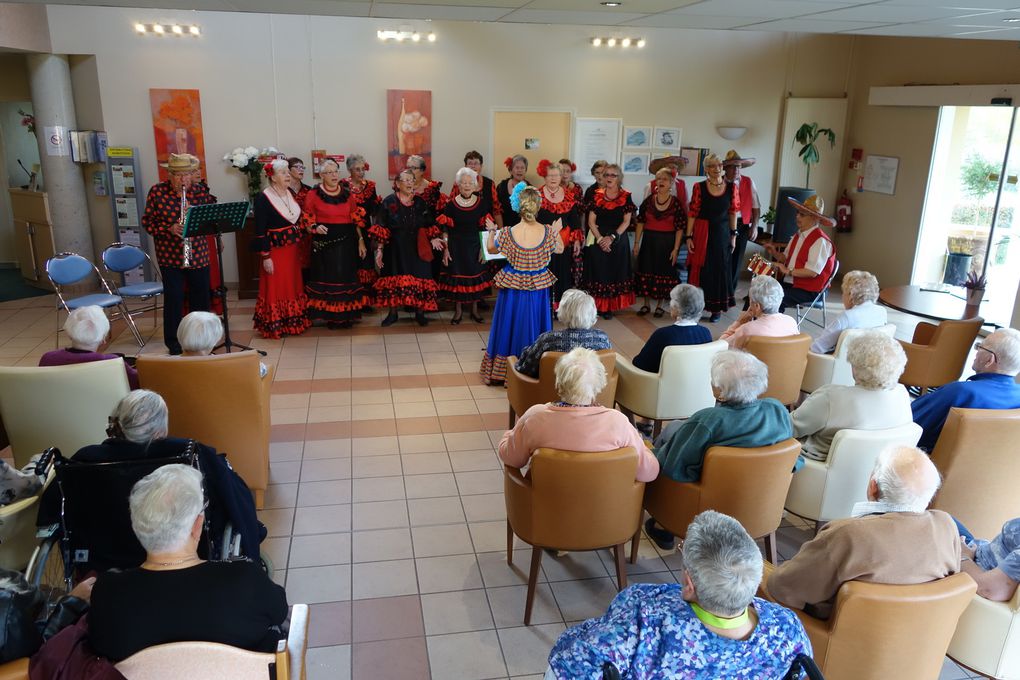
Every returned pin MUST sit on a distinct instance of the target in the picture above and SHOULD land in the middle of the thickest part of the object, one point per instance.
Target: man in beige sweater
(890, 539)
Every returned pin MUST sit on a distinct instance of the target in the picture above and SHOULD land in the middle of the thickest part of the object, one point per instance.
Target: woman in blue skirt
(522, 306)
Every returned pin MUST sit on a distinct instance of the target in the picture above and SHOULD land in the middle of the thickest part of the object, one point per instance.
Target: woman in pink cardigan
(762, 317)
(576, 422)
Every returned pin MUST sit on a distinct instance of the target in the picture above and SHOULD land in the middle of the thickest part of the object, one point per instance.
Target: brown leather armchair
(523, 391)
(786, 358)
(936, 354)
(976, 454)
(571, 500)
(14, 670)
(749, 485)
(878, 631)
(220, 401)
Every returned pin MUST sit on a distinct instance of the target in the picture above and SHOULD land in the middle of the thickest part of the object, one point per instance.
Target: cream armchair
(833, 369)
(987, 638)
(682, 386)
(824, 491)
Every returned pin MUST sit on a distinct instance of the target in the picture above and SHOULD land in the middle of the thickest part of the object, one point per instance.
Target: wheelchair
(94, 533)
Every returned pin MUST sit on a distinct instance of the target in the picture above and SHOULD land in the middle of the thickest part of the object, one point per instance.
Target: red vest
(813, 283)
(745, 187)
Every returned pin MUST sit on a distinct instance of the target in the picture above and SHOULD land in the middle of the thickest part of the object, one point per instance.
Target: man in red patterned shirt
(162, 220)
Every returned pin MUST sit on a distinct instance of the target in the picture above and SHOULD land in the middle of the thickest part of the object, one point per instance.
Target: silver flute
(186, 252)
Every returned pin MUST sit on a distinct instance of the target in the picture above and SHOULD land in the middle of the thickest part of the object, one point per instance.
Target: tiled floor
(385, 510)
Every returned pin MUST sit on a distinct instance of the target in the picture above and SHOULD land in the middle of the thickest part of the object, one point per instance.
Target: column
(53, 104)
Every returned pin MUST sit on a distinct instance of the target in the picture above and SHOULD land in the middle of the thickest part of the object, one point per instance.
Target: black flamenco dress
(563, 265)
(404, 232)
(655, 274)
(710, 267)
(503, 191)
(467, 278)
(368, 200)
(335, 293)
(608, 276)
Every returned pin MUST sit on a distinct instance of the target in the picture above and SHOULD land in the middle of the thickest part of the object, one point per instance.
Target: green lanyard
(710, 619)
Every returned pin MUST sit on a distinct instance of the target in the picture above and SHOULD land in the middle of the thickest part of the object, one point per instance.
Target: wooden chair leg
(509, 543)
(536, 562)
(771, 549)
(621, 572)
(511, 418)
(634, 542)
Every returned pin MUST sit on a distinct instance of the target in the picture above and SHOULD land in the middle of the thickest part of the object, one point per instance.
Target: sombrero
(733, 158)
(181, 162)
(814, 206)
(660, 163)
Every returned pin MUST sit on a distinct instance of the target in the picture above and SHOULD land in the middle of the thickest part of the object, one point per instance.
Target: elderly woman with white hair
(576, 422)
(281, 305)
(465, 278)
(138, 429)
(738, 419)
(762, 317)
(87, 328)
(185, 597)
(860, 293)
(578, 314)
(200, 332)
(876, 402)
(710, 625)
(686, 303)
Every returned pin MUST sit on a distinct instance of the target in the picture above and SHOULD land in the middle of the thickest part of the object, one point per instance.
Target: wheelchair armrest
(297, 640)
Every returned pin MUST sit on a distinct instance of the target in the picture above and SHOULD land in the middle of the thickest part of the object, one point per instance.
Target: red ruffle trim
(654, 285)
(358, 215)
(568, 203)
(275, 320)
(380, 234)
(601, 201)
(444, 220)
(405, 290)
(609, 297)
(432, 232)
(367, 276)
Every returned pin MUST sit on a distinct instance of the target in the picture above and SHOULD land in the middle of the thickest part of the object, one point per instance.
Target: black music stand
(216, 219)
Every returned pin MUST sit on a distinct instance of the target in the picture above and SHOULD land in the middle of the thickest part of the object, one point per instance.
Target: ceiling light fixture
(158, 29)
(177, 30)
(1012, 20)
(140, 28)
(403, 35)
(167, 29)
(611, 3)
(617, 42)
(640, 43)
(193, 30)
(611, 42)
(625, 42)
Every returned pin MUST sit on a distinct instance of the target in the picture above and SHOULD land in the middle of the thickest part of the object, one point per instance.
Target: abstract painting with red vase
(408, 128)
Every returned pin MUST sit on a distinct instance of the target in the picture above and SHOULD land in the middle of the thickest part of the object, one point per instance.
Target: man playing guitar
(810, 257)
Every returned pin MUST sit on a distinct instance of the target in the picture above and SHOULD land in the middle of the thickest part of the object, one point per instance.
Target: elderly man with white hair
(87, 328)
(578, 313)
(891, 538)
(176, 595)
(860, 293)
(762, 317)
(993, 386)
(739, 419)
(875, 402)
(686, 303)
(576, 422)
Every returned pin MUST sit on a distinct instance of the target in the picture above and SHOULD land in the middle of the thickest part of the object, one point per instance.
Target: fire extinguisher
(844, 214)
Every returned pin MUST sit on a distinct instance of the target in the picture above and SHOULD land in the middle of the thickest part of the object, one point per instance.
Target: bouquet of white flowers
(250, 160)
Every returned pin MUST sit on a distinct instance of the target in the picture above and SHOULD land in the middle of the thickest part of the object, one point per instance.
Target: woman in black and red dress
(560, 203)
(660, 227)
(365, 197)
(335, 295)
(567, 170)
(296, 168)
(712, 236)
(518, 167)
(464, 277)
(405, 236)
(607, 271)
(281, 306)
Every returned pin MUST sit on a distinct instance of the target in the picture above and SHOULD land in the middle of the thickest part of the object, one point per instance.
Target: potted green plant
(975, 285)
(807, 134)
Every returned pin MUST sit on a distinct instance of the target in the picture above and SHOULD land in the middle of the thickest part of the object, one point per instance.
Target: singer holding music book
(182, 265)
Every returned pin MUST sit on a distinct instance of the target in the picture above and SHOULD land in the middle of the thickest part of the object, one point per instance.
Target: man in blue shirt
(993, 386)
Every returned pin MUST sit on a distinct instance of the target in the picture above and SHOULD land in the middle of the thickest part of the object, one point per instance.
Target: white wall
(299, 82)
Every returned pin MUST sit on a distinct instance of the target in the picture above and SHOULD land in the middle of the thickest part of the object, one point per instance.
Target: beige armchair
(523, 391)
(786, 358)
(936, 354)
(833, 369)
(977, 456)
(220, 401)
(63, 406)
(987, 638)
(682, 386)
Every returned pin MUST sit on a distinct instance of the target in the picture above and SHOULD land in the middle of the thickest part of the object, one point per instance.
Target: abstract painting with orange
(177, 125)
(408, 128)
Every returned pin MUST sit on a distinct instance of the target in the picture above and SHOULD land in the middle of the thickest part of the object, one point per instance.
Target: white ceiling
(981, 19)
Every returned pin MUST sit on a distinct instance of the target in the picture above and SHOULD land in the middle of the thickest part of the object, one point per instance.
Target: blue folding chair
(67, 269)
(120, 258)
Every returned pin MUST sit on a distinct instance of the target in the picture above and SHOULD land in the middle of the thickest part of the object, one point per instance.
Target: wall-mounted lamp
(165, 29)
(731, 132)
(618, 42)
(404, 36)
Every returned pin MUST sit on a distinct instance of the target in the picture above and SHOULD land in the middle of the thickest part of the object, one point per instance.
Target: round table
(931, 304)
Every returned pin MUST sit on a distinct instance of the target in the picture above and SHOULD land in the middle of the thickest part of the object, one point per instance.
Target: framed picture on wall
(695, 157)
(635, 163)
(637, 137)
(667, 138)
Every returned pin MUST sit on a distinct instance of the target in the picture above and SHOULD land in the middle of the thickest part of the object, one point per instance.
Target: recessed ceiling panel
(546, 16)
(671, 20)
(392, 10)
(811, 26)
(893, 13)
(772, 9)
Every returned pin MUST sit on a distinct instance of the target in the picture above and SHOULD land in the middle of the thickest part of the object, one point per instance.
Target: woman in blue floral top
(711, 626)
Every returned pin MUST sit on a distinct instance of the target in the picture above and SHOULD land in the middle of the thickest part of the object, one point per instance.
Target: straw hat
(660, 163)
(733, 158)
(181, 162)
(814, 206)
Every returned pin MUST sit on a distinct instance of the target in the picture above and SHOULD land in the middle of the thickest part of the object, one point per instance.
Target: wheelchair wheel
(46, 571)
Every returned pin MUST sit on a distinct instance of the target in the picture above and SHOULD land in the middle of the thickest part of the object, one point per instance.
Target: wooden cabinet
(33, 235)
(249, 264)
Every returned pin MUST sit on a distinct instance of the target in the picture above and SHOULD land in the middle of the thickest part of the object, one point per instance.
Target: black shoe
(390, 319)
(421, 318)
(456, 320)
(476, 318)
(606, 315)
(662, 538)
(715, 317)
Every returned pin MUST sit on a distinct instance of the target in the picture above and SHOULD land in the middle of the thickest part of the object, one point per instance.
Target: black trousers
(174, 281)
(737, 259)
(794, 296)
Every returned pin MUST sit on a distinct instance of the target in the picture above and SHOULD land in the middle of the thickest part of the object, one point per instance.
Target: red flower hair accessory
(509, 163)
(268, 169)
(543, 167)
(367, 168)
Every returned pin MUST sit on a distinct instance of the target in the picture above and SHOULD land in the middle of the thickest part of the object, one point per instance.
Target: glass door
(968, 224)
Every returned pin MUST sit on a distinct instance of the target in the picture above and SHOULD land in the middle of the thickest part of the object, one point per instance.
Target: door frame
(528, 109)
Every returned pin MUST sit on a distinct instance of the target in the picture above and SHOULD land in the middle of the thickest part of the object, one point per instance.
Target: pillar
(49, 78)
